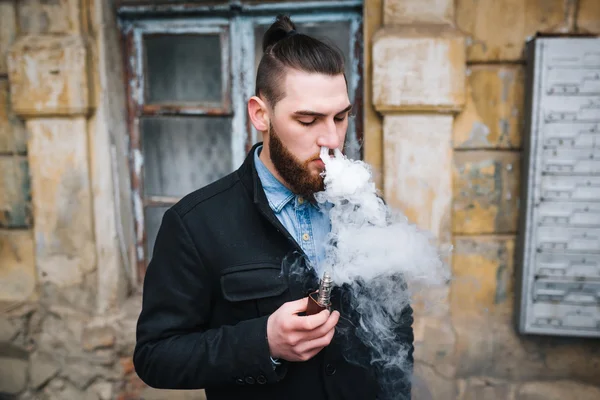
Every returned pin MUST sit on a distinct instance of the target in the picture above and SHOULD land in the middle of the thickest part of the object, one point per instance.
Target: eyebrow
(317, 114)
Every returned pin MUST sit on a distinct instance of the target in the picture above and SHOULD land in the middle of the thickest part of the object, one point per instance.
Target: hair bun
(280, 29)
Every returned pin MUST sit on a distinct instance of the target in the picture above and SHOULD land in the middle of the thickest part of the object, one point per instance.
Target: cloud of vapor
(378, 255)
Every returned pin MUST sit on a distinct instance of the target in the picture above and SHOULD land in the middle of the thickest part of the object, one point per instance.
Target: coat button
(250, 380)
(261, 380)
(329, 369)
(239, 381)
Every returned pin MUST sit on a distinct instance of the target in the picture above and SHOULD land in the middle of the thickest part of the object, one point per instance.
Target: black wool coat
(218, 270)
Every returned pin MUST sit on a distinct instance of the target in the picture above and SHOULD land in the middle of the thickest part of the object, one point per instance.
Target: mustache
(314, 157)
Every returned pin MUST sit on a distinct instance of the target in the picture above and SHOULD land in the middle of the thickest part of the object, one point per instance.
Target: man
(222, 309)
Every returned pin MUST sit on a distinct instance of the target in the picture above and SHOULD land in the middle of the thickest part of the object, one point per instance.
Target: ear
(257, 111)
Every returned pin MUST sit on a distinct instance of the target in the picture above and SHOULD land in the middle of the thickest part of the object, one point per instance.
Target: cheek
(342, 130)
(301, 138)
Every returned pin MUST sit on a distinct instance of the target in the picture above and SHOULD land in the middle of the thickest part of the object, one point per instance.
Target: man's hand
(299, 338)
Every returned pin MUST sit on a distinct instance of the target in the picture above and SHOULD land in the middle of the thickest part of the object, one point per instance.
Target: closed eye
(308, 123)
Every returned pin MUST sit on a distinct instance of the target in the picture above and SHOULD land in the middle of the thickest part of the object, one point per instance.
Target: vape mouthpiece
(325, 287)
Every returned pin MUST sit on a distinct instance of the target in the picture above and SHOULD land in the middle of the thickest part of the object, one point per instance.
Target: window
(190, 72)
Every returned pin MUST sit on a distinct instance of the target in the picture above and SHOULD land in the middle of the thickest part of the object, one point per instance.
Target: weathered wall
(18, 277)
(443, 130)
(452, 159)
(66, 325)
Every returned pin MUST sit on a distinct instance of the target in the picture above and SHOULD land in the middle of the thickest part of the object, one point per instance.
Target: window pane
(182, 154)
(183, 68)
(336, 33)
(153, 217)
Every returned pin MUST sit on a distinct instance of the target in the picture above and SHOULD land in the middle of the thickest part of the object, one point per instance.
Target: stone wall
(448, 81)
(66, 322)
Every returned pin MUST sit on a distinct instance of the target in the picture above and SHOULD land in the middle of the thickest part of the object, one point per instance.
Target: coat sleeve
(174, 349)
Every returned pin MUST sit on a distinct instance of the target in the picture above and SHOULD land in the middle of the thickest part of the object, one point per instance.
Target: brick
(588, 16)
(15, 195)
(486, 192)
(13, 136)
(492, 117)
(50, 17)
(42, 368)
(48, 76)
(17, 266)
(498, 29)
(8, 329)
(418, 158)
(13, 375)
(58, 160)
(558, 391)
(8, 31)
(483, 274)
(127, 366)
(94, 338)
(104, 390)
(418, 67)
(419, 11)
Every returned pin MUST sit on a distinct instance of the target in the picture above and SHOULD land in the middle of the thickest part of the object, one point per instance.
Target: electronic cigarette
(321, 299)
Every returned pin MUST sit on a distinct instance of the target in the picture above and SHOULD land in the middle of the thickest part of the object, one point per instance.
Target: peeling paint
(419, 68)
(486, 193)
(49, 76)
(63, 226)
(478, 136)
(417, 148)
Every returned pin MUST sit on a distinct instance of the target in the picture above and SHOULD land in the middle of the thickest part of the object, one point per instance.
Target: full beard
(294, 172)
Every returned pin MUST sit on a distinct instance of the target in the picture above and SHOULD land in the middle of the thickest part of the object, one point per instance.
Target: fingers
(311, 347)
(312, 322)
(322, 330)
(297, 306)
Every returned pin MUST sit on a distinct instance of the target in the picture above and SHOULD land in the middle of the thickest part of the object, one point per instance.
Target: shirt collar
(277, 194)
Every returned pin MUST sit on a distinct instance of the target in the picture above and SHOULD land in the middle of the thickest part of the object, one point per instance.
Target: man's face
(313, 113)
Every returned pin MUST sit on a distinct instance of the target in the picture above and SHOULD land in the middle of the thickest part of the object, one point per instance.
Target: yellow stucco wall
(469, 348)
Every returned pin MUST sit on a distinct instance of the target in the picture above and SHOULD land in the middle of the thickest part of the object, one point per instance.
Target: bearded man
(220, 311)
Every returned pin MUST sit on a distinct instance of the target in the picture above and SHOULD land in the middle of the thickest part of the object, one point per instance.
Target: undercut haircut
(285, 48)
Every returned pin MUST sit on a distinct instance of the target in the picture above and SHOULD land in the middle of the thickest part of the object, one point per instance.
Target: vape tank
(321, 299)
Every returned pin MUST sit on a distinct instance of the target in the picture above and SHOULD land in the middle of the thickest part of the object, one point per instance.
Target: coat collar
(249, 178)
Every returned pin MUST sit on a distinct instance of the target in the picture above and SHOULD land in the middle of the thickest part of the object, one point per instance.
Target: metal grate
(559, 268)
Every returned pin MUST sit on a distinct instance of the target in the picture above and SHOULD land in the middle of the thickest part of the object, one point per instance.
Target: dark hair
(283, 48)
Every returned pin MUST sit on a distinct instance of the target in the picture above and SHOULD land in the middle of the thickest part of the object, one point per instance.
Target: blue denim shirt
(308, 223)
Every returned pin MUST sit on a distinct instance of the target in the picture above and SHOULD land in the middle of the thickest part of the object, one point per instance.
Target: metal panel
(558, 271)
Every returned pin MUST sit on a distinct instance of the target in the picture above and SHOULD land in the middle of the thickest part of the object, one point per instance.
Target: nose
(329, 136)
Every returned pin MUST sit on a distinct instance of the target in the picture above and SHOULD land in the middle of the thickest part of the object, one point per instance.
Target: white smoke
(378, 255)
